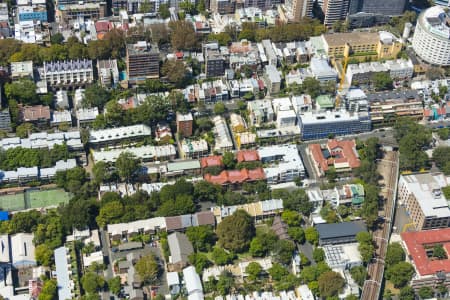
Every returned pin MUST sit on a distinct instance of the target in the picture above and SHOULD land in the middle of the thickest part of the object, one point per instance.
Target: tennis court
(12, 202)
(38, 199)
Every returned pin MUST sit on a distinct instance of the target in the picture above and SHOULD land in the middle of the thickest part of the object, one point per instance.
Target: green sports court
(34, 199)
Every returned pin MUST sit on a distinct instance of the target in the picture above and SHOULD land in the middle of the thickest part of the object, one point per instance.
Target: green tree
(283, 251)
(92, 283)
(201, 237)
(127, 165)
(236, 231)
(183, 35)
(148, 268)
(205, 191)
(330, 284)
(221, 257)
(100, 172)
(23, 130)
(318, 254)
(400, 274)
(225, 283)
(57, 38)
(110, 213)
(114, 285)
(297, 234)
(44, 255)
(219, 108)
(164, 12)
(443, 133)
(441, 156)
(22, 90)
(382, 81)
(223, 38)
(359, 274)
(292, 218)
(176, 72)
(312, 235)
(96, 96)
(229, 160)
(49, 290)
(439, 252)
(407, 293)
(426, 292)
(311, 86)
(365, 247)
(257, 248)
(395, 254)
(277, 272)
(200, 261)
(253, 271)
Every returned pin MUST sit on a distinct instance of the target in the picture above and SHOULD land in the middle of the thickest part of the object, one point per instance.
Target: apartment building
(144, 153)
(424, 200)
(71, 73)
(318, 125)
(362, 73)
(114, 136)
(379, 7)
(72, 12)
(21, 69)
(5, 119)
(214, 63)
(222, 135)
(191, 149)
(222, 6)
(108, 73)
(380, 45)
(272, 79)
(298, 9)
(283, 163)
(185, 123)
(37, 114)
(142, 62)
(260, 111)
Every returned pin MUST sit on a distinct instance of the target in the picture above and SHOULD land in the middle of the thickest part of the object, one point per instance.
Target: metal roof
(336, 230)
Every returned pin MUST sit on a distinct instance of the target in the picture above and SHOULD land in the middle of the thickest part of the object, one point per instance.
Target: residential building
(28, 32)
(365, 72)
(44, 140)
(163, 133)
(5, 119)
(211, 161)
(422, 196)
(37, 114)
(63, 274)
(86, 116)
(22, 69)
(356, 100)
(270, 52)
(72, 12)
(351, 194)
(283, 163)
(341, 155)
(237, 123)
(317, 125)
(382, 7)
(258, 210)
(429, 271)
(113, 136)
(142, 62)
(63, 117)
(334, 10)
(68, 73)
(33, 13)
(183, 168)
(185, 123)
(144, 153)
(180, 248)
(272, 78)
(192, 283)
(236, 177)
(359, 45)
(339, 233)
(342, 257)
(191, 149)
(432, 28)
(78, 98)
(299, 9)
(22, 250)
(245, 140)
(108, 72)
(321, 70)
(247, 156)
(214, 63)
(260, 112)
(222, 6)
(62, 100)
(386, 108)
(222, 135)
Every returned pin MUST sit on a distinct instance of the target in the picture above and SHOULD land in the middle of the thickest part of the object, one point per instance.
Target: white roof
(146, 225)
(22, 249)
(191, 146)
(290, 158)
(119, 133)
(192, 280)
(305, 293)
(223, 137)
(427, 189)
(329, 117)
(144, 152)
(172, 278)
(61, 117)
(43, 140)
(86, 114)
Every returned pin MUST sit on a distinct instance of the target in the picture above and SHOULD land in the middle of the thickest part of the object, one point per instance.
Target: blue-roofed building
(63, 269)
(4, 216)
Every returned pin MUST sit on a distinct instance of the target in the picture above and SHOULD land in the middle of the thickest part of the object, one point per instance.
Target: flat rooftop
(352, 38)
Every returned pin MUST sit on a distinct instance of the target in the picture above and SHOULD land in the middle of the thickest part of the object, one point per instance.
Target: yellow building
(362, 45)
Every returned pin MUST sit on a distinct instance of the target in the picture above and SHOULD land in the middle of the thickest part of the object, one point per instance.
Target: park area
(34, 199)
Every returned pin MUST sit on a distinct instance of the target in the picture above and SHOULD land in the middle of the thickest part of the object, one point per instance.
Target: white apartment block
(68, 73)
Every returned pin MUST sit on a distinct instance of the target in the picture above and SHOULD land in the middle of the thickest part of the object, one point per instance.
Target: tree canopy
(236, 231)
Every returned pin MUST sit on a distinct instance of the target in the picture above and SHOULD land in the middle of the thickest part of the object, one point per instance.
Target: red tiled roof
(441, 111)
(179, 54)
(236, 176)
(35, 113)
(317, 155)
(427, 112)
(247, 155)
(103, 26)
(415, 242)
(211, 161)
(347, 150)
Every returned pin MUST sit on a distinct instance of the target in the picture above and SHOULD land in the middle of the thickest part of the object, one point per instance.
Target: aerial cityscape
(224, 149)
